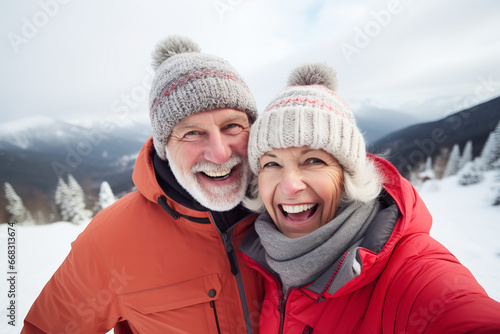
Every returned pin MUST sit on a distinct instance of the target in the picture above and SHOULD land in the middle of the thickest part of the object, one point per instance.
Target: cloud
(88, 55)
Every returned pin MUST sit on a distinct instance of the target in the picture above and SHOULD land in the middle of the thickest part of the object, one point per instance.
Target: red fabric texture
(414, 285)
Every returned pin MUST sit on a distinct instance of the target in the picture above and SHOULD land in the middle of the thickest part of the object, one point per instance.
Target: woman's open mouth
(298, 212)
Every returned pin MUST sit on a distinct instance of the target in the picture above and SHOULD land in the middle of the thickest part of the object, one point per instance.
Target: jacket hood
(408, 201)
(144, 173)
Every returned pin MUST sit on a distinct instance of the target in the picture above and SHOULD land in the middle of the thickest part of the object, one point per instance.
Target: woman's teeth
(297, 208)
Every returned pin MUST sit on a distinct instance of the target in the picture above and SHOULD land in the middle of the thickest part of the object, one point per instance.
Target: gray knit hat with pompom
(187, 82)
(309, 113)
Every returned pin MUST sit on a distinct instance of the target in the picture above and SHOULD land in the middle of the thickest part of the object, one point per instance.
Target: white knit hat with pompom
(187, 82)
(309, 113)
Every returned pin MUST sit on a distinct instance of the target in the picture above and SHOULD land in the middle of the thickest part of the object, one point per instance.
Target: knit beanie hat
(187, 82)
(309, 113)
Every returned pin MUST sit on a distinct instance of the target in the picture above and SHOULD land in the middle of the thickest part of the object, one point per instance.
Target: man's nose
(292, 182)
(218, 149)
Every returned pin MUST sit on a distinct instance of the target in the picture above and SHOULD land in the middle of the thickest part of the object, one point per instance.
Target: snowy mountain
(35, 153)
(41, 134)
(409, 147)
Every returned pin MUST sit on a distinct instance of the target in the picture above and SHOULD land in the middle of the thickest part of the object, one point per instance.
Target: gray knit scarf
(301, 260)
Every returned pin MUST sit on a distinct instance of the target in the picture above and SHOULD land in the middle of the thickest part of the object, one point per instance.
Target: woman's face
(301, 188)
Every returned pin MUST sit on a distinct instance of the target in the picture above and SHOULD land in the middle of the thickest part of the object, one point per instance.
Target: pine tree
(19, 213)
(491, 149)
(496, 135)
(62, 198)
(496, 201)
(466, 155)
(496, 185)
(496, 165)
(428, 172)
(106, 196)
(80, 214)
(453, 161)
(71, 201)
(471, 174)
(440, 162)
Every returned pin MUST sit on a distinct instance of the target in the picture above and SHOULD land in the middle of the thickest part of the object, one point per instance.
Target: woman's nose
(291, 182)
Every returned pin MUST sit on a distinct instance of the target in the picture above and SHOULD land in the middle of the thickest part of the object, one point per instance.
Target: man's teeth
(297, 208)
(217, 173)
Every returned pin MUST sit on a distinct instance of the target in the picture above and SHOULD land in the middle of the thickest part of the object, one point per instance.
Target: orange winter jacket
(408, 282)
(153, 262)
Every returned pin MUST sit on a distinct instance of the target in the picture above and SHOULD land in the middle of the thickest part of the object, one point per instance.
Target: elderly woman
(344, 240)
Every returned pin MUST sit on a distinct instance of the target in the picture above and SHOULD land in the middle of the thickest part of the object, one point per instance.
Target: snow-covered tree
(70, 199)
(440, 162)
(496, 165)
(80, 214)
(428, 172)
(16, 208)
(496, 200)
(491, 149)
(453, 161)
(62, 199)
(496, 186)
(466, 155)
(472, 173)
(106, 196)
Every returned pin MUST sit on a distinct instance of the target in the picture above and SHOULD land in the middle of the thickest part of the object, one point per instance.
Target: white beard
(217, 198)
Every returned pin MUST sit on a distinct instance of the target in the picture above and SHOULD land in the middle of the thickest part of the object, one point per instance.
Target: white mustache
(207, 166)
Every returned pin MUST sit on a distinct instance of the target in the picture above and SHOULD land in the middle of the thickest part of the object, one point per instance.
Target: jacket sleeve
(80, 297)
(433, 293)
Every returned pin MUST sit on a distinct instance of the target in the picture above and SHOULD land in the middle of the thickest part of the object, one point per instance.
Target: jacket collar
(171, 186)
(144, 174)
(378, 233)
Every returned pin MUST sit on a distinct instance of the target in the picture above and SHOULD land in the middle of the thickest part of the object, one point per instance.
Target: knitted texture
(301, 260)
(311, 115)
(187, 82)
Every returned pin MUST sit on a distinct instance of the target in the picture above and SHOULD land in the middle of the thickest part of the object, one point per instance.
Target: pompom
(172, 46)
(314, 74)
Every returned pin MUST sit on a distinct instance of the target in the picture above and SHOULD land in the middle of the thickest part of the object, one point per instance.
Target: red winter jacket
(409, 283)
(153, 262)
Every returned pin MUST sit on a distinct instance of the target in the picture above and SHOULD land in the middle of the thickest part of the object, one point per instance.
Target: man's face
(207, 153)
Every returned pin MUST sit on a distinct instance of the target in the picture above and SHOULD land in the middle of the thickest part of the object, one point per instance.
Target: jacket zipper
(281, 308)
(281, 299)
(212, 305)
(231, 255)
(228, 246)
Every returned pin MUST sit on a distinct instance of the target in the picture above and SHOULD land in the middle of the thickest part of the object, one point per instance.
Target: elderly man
(162, 259)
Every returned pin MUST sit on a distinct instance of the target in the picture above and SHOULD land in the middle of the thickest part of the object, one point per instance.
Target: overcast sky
(73, 59)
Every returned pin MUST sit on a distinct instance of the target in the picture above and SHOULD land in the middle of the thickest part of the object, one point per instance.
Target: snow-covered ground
(468, 225)
(464, 221)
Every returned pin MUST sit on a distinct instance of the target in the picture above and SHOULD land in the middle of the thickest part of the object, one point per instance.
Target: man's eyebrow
(238, 117)
(187, 126)
(230, 118)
